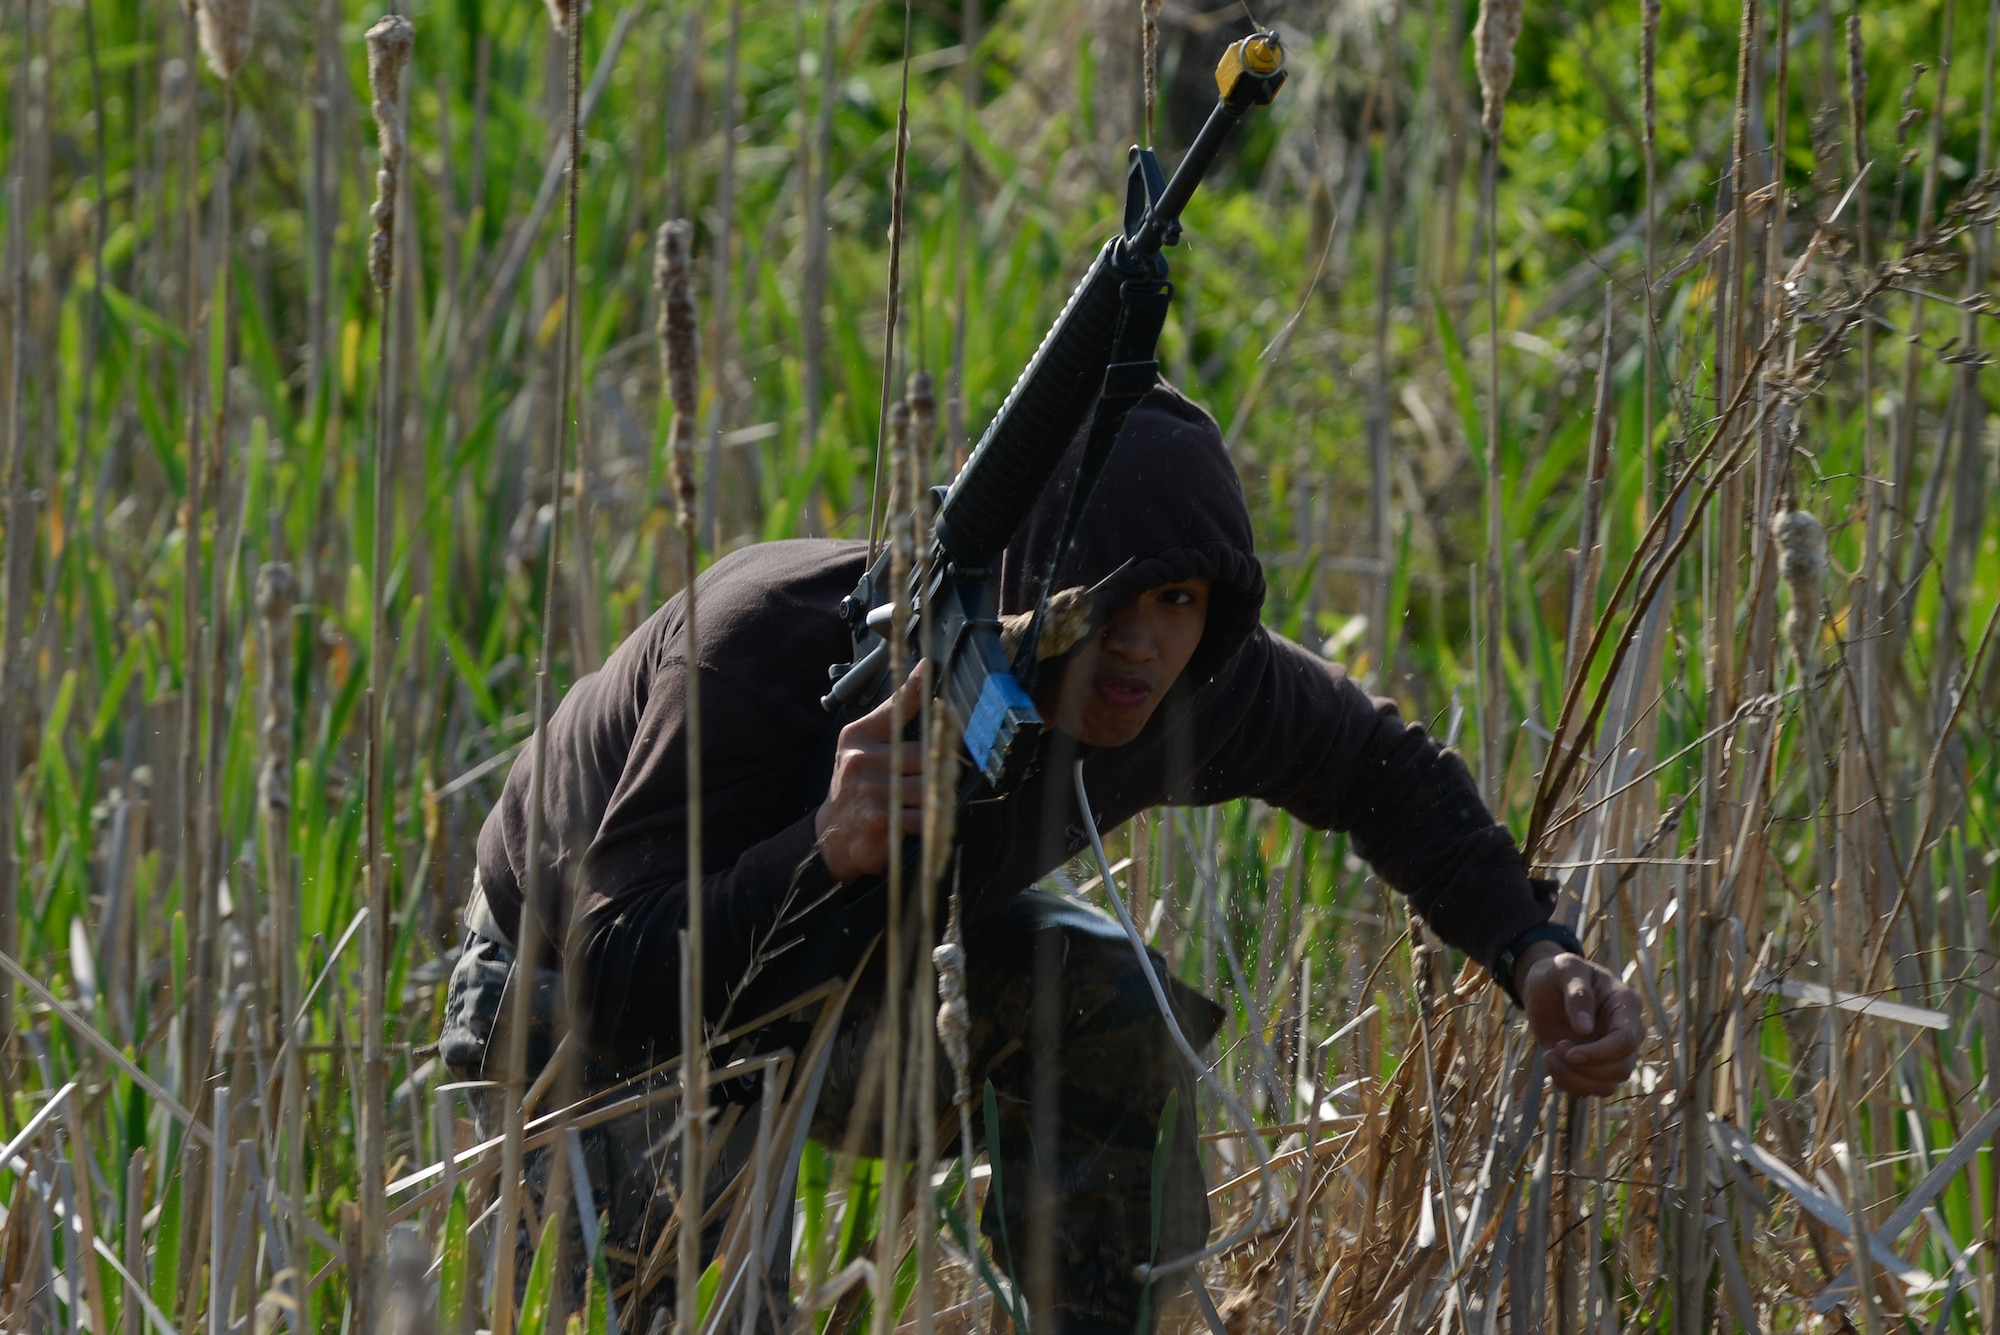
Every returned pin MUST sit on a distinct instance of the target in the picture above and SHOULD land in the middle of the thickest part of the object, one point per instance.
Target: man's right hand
(852, 825)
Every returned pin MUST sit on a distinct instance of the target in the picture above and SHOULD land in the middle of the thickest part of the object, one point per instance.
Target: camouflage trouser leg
(630, 1165)
(1090, 1217)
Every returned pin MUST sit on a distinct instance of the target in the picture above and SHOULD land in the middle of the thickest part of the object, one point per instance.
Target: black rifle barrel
(1166, 211)
(1051, 401)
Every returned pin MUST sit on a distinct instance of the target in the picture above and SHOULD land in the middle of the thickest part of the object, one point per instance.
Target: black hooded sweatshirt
(1253, 715)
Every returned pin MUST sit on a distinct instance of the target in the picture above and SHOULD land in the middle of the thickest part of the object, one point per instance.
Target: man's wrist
(1529, 958)
(1517, 957)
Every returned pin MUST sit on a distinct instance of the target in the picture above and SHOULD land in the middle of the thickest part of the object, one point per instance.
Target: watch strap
(1510, 954)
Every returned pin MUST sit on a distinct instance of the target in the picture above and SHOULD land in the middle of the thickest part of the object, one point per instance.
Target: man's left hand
(1589, 1024)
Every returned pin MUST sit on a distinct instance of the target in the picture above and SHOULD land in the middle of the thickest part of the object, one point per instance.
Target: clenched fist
(852, 825)
(1589, 1024)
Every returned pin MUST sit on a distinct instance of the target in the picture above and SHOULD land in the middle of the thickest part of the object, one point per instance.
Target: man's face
(1116, 679)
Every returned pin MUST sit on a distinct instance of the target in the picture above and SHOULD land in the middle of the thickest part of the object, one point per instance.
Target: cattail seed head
(922, 399)
(1802, 565)
(1493, 41)
(1801, 551)
(277, 593)
(954, 1017)
(389, 45)
(1857, 71)
(902, 475)
(560, 12)
(224, 30)
(1649, 48)
(680, 354)
(173, 91)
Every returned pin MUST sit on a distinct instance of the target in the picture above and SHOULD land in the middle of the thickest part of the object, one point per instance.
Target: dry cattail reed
(679, 357)
(13, 596)
(1802, 565)
(954, 1013)
(389, 44)
(1493, 44)
(893, 301)
(224, 28)
(83, 1196)
(1149, 59)
(722, 349)
(900, 525)
(529, 938)
(1493, 38)
(277, 592)
(197, 885)
(673, 268)
(1649, 48)
(939, 807)
(968, 38)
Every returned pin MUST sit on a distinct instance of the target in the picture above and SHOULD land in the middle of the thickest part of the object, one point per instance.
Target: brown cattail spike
(680, 352)
(1802, 564)
(902, 517)
(389, 44)
(1149, 59)
(277, 591)
(224, 27)
(922, 399)
(901, 476)
(1857, 88)
(1493, 44)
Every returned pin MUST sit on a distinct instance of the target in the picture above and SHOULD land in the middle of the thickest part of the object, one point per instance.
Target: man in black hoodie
(1176, 696)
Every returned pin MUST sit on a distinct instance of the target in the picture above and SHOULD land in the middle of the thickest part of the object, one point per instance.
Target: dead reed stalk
(530, 934)
(968, 38)
(679, 323)
(13, 596)
(901, 538)
(939, 790)
(1493, 38)
(722, 312)
(893, 302)
(390, 42)
(277, 592)
(224, 28)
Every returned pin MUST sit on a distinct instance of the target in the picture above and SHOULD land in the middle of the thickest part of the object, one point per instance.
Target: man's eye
(1178, 597)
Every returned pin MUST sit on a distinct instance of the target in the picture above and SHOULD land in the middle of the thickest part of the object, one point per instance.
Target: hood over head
(1167, 507)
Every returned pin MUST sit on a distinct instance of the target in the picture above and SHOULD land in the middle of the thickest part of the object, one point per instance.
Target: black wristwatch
(1510, 954)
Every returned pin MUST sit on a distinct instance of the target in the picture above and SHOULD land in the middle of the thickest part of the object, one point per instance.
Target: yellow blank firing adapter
(1258, 58)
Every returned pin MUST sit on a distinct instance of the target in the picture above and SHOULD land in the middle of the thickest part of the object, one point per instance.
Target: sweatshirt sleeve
(1311, 741)
(622, 955)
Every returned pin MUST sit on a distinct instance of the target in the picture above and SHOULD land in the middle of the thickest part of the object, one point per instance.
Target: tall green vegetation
(1682, 526)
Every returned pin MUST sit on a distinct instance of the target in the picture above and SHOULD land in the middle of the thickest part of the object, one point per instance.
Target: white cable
(1188, 1054)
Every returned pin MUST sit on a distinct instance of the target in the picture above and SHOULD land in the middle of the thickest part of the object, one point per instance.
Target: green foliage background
(1357, 196)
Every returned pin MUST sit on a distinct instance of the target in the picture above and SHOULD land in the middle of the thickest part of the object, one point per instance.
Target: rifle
(1094, 364)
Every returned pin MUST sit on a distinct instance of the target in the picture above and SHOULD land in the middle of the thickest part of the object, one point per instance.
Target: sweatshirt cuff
(1487, 907)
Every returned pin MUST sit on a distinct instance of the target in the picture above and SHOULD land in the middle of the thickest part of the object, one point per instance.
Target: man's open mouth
(1123, 690)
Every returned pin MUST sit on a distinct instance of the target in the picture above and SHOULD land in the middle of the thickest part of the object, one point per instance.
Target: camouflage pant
(1065, 1029)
